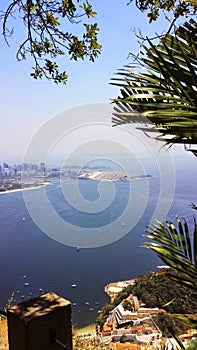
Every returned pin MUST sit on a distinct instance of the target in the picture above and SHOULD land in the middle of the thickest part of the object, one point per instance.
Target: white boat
(73, 285)
(26, 284)
(163, 267)
(122, 223)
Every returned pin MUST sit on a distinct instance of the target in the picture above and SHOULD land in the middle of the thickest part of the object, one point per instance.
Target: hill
(156, 289)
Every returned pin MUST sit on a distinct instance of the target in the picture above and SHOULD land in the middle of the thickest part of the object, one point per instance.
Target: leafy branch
(46, 40)
(177, 8)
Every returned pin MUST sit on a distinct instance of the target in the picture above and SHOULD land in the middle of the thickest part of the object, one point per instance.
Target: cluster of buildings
(17, 170)
(134, 328)
(12, 176)
(136, 325)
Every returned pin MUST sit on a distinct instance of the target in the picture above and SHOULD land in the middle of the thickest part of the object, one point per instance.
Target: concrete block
(42, 323)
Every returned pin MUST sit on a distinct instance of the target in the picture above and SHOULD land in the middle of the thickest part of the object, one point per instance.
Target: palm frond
(161, 91)
(174, 246)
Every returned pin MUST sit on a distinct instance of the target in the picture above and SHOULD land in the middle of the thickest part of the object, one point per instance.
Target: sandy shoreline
(46, 183)
(113, 288)
(85, 330)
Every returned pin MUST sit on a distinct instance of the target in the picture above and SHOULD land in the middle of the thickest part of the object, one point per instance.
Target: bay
(27, 255)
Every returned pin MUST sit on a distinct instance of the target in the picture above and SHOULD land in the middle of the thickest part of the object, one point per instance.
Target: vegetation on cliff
(157, 290)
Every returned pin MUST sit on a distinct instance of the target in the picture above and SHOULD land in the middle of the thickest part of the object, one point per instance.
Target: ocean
(28, 255)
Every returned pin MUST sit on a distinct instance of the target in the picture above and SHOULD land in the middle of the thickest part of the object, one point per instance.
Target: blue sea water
(51, 266)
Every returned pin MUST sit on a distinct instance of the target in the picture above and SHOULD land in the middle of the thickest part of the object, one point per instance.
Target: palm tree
(174, 246)
(159, 92)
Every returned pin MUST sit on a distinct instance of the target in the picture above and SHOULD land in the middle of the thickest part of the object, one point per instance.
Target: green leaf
(173, 245)
(162, 87)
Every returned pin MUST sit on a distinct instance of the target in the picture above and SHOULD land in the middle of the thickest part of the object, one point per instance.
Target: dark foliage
(166, 322)
(157, 290)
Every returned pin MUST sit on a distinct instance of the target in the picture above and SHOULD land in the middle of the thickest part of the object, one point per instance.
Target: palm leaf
(161, 91)
(173, 245)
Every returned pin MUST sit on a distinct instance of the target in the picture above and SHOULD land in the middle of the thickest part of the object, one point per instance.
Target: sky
(27, 104)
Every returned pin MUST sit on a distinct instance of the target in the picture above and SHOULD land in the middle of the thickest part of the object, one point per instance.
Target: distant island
(110, 176)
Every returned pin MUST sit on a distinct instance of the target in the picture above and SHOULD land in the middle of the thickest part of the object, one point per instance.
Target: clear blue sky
(26, 104)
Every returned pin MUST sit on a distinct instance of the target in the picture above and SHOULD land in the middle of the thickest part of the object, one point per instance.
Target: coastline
(113, 288)
(90, 329)
(46, 183)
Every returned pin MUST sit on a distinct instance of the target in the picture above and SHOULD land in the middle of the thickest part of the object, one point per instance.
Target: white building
(123, 316)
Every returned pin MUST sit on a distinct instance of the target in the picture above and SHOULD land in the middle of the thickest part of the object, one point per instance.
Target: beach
(46, 183)
(113, 288)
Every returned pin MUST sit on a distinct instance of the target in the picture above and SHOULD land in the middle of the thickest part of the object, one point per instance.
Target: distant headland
(110, 176)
